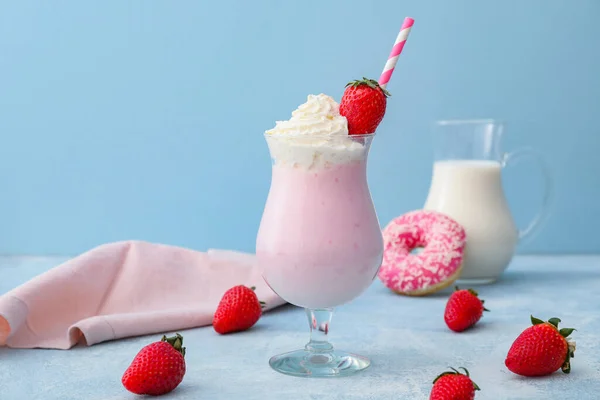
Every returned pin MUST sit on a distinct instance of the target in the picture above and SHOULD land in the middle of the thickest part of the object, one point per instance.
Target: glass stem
(319, 321)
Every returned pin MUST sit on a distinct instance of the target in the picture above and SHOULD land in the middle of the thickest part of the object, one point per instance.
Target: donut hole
(417, 250)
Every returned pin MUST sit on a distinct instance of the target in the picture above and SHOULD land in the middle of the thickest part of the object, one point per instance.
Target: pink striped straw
(395, 53)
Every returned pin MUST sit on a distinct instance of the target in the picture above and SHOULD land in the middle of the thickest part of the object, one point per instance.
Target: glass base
(475, 281)
(308, 364)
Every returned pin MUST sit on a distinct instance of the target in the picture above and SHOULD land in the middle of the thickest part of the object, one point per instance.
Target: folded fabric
(125, 289)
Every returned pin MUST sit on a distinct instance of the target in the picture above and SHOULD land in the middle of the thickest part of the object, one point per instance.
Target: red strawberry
(541, 349)
(238, 310)
(363, 104)
(453, 385)
(158, 368)
(463, 310)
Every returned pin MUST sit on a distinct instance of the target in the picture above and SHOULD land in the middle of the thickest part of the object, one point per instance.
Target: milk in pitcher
(470, 191)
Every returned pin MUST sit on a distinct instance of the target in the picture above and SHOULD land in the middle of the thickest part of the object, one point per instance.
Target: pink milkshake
(319, 241)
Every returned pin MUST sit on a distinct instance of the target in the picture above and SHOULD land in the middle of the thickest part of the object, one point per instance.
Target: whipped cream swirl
(320, 115)
(316, 136)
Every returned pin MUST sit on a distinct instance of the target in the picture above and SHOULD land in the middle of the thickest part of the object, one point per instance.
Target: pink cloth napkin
(124, 289)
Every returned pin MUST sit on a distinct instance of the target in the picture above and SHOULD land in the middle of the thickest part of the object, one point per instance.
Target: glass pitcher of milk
(467, 185)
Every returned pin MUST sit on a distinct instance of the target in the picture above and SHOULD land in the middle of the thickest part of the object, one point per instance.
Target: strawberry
(238, 310)
(541, 349)
(158, 368)
(363, 104)
(453, 385)
(463, 309)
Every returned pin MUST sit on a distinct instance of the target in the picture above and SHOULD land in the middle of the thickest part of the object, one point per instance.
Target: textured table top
(406, 339)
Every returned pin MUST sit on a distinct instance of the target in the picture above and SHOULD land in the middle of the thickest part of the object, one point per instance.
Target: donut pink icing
(436, 266)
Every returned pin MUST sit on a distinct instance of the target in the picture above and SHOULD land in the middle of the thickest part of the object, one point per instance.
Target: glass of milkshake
(319, 241)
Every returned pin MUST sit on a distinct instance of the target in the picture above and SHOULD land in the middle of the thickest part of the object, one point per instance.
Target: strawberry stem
(373, 84)
(536, 321)
(456, 372)
(565, 332)
(175, 341)
(554, 321)
(566, 367)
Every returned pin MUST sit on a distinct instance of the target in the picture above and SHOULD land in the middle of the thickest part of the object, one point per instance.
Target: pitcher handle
(526, 234)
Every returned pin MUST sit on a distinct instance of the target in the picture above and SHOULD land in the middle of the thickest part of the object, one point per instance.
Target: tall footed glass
(319, 241)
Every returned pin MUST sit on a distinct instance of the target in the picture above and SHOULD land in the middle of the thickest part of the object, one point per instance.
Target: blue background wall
(144, 120)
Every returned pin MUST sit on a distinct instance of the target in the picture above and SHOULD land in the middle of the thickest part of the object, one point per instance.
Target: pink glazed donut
(439, 263)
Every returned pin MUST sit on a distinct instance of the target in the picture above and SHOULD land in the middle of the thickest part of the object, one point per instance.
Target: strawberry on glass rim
(363, 104)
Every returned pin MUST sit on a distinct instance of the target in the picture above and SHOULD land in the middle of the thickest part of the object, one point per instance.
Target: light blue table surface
(406, 339)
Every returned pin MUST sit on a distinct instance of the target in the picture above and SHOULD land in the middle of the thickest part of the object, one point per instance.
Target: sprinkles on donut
(437, 266)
